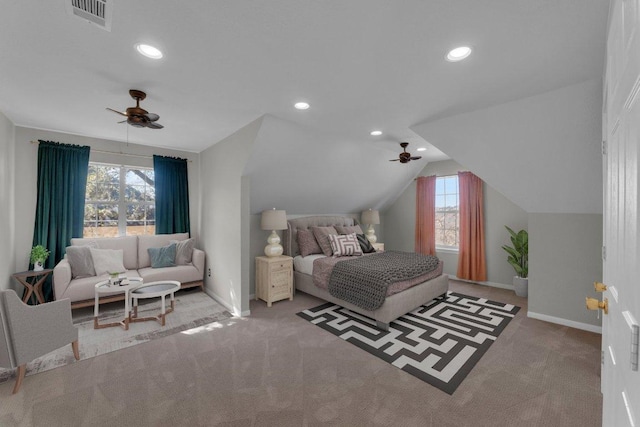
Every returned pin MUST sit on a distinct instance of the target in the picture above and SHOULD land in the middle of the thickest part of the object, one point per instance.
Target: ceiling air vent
(97, 12)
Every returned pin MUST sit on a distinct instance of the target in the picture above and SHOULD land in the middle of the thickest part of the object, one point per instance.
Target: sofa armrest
(197, 259)
(61, 278)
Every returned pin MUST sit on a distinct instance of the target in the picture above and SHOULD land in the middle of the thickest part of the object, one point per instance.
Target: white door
(621, 265)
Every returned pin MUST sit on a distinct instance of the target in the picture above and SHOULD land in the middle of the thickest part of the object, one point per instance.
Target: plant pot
(521, 286)
(38, 266)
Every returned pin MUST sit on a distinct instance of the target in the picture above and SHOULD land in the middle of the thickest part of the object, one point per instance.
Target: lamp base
(274, 248)
(371, 234)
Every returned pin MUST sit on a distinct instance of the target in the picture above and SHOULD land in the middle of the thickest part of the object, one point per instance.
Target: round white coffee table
(154, 290)
(104, 289)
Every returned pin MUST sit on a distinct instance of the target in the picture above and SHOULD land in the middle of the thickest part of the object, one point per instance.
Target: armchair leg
(22, 370)
(76, 350)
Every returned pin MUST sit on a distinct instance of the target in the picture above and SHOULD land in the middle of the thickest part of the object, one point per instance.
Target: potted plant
(519, 260)
(39, 255)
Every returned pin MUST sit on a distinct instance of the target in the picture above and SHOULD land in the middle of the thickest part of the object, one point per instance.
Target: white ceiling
(362, 64)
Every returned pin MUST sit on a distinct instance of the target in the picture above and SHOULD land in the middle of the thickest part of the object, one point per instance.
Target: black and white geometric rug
(439, 342)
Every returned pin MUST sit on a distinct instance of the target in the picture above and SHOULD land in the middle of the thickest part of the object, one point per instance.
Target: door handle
(594, 304)
(599, 287)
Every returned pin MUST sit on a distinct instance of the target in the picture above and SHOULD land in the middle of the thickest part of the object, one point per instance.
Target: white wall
(542, 152)
(224, 217)
(564, 261)
(400, 220)
(7, 201)
(26, 175)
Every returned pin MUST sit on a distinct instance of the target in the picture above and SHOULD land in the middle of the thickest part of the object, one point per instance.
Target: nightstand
(378, 246)
(274, 278)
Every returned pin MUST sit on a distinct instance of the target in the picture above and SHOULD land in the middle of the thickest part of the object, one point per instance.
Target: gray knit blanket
(363, 281)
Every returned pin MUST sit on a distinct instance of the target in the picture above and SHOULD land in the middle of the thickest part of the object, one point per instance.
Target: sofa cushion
(154, 241)
(84, 289)
(163, 257)
(80, 261)
(184, 251)
(129, 244)
(181, 273)
(107, 261)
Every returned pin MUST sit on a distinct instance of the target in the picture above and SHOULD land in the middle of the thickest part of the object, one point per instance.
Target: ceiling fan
(405, 157)
(139, 117)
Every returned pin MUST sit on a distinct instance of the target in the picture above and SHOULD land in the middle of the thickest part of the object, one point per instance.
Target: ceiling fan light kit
(137, 116)
(405, 157)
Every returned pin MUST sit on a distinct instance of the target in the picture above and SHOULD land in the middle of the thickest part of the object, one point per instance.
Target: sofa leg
(76, 349)
(22, 370)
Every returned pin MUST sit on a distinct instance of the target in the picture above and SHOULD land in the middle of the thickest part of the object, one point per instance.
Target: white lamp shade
(273, 220)
(370, 217)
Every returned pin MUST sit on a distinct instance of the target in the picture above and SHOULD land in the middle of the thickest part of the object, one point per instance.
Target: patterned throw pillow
(365, 244)
(345, 245)
(348, 229)
(322, 237)
(307, 243)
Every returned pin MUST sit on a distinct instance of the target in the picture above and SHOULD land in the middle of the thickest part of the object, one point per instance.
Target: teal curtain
(172, 195)
(62, 180)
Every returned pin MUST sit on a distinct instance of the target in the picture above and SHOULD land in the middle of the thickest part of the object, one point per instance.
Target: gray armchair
(28, 332)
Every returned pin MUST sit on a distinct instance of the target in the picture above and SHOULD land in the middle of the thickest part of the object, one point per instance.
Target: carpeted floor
(192, 309)
(275, 369)
(439, 342)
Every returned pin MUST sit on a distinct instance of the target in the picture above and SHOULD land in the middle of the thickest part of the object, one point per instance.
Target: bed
(394, 306)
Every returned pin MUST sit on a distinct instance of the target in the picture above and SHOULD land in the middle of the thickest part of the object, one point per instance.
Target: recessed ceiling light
(459, 53)
(376, 132)
(422, 149)
(149, 51)
(301, 105)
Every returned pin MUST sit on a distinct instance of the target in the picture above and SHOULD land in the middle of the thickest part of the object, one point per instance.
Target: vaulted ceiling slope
(361, 64)
(303, 171)
(542, 152)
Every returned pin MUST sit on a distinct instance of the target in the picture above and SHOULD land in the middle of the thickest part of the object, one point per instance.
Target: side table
(105, 288)
(274, 278)
(33, 287)
(152, 290)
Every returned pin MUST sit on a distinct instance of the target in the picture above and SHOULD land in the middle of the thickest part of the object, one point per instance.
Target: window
(119, 200)
(447, 212)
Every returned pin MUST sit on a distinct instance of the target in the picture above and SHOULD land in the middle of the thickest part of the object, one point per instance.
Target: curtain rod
(120, 154)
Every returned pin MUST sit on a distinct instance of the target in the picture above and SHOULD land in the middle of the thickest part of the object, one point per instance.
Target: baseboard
(491, 284)
(223, 303)
(565, 322)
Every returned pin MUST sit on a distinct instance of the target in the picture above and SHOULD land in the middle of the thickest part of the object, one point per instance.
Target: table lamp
(273, 220)
(371, 217)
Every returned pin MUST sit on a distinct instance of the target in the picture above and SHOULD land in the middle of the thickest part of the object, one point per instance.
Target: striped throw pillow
(345, 245)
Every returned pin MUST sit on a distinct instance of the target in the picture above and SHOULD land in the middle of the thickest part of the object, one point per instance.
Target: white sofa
(81, 291)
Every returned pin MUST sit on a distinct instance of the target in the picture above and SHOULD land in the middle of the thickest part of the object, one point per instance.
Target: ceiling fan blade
(415, 158)
(154, 125)
(152, 117)
(123, 121)
(394, 160)
(117, 112)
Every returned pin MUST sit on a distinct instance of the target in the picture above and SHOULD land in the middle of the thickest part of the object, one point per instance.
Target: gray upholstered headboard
(290, 243)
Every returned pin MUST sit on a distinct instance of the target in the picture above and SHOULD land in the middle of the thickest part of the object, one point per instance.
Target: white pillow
(184, 251)
(107, 261)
